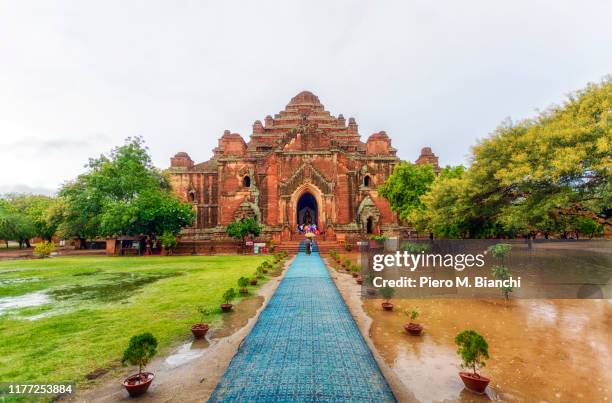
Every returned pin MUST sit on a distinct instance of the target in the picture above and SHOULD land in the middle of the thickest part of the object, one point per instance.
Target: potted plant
(243, 282)
(228, 297)
(139, 352)
(260, 272)
(369, 280)
(387, 293)
(377, 241)
(199, 330)
(264, 267)
(253, 281)
(355, 269)
(359, 280)
(413, 329)
(473, 350)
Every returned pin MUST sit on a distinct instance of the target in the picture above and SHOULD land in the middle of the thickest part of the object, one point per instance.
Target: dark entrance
(369, 225)
(307, 212)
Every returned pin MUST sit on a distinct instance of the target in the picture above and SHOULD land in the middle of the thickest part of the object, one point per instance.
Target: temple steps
(294, 246)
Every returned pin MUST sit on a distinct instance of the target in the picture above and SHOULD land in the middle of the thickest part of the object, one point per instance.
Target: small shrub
(355, 267)
(415, 248)
(44, 249)
(387, 293)
(229, 296)
(369, 278)
(140, 350)
(500, 251)
(169, 242)
(243, 283)
(204, 312)
(413, 314)
(259, 272)
(473, 349)
(347, 263)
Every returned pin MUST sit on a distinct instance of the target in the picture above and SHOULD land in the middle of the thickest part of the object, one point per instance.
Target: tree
(122, 194)
(588, 226)
(535, 172)
(404, 188)
(39, 209)
(15, 225)
(240, 229)
(539, 175)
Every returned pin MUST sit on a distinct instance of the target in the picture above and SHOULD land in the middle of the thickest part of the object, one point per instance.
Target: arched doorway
(307, 210)
(369, 226)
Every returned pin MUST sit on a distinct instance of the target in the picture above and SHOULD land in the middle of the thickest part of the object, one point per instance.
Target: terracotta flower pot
(355, 274)
(387, 306)
(474, 382)
(359, 280)
(265, 271)
(226, 307)
(253, 281)
(413, 329)
(199, 330)
(138, 384)
(244, 290)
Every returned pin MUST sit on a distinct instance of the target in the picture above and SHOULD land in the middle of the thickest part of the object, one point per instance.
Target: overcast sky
(78, 77)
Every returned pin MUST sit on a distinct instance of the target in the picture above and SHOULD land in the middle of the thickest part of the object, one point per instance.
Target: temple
(302, 166)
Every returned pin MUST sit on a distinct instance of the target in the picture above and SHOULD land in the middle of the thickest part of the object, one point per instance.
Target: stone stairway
(293, 247)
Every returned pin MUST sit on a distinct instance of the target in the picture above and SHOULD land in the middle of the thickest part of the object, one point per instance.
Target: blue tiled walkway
(305, 346)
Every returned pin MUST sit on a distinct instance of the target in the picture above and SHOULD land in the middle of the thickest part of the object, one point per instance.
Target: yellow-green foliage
(44, 249)
(540, 174)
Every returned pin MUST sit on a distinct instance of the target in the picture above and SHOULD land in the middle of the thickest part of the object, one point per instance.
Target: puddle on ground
(12, 281)
(239, 316)
(187, 352)
(24, 301)
(119, 286)
(232, 321)
(541, 350)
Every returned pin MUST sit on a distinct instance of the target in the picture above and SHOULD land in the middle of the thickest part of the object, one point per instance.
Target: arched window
(246, 181)
(370, 225)
(366, 181)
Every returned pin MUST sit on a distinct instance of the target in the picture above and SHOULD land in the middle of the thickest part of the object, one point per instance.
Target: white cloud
(76, 78)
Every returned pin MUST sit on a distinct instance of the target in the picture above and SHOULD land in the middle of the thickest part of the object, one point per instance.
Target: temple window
(246, 181)
(366, 181)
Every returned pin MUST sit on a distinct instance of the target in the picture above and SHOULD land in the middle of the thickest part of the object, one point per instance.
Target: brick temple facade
(302, 166)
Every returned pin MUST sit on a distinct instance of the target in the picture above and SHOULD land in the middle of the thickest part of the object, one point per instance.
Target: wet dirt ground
(541, 350)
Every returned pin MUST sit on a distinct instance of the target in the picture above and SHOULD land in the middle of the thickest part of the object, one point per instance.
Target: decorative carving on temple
(306, 173)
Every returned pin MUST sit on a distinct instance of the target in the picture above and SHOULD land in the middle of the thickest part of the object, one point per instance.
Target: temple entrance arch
(307, 202)
(307, 209)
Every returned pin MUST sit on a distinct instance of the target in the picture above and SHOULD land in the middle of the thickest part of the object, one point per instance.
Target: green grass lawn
(91, 306)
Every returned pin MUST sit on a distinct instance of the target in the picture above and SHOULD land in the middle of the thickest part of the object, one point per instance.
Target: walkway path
(305, 346)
